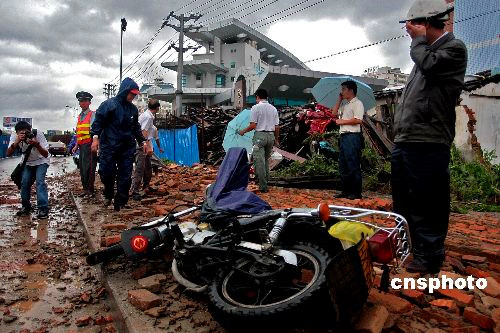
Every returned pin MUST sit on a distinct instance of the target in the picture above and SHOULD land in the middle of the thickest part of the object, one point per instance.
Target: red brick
(85, 297)
(440, 316)
(456, 264)
(83, 321)
(413, 295)
(100, 320)
(143, 299)
(453, 254)
(141, 271)
(490, 302)
(476, 259)
(114, 226)
(493, 288)
(110, 240)
(447, 304)
(476, 318)
(459, 296)
(393, 303)
(477, 227)
(159, 210)
(476, 272)
(495, 315)
(110, 328)
(494, 267)
(57, 310)
(372, 319)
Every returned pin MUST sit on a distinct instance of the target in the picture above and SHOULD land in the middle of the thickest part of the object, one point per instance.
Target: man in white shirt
(36, 167)
(264, 120)
(351, 140)
(143, 159)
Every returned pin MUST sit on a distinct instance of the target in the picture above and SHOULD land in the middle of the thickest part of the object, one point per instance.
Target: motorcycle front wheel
(238, 301)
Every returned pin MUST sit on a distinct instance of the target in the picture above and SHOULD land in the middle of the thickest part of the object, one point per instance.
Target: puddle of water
(41, 284)
(24, 306)
(41, 232)
(34, 268)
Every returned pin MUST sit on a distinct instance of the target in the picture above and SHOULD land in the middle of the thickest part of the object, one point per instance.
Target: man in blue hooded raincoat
(114, 132)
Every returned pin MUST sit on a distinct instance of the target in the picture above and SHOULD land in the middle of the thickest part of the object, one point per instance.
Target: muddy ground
(45, 285)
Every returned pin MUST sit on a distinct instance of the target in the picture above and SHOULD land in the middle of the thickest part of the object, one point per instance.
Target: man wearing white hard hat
(424, 131)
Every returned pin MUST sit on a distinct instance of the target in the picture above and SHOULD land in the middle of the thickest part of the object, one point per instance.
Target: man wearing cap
(87, 161)
(114, 132)
(424, 127)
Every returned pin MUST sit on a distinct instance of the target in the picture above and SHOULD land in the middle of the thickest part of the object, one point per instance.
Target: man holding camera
(35, 168)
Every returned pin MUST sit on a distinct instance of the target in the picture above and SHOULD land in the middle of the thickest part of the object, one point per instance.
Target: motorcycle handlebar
(175, 216)
(105, 255)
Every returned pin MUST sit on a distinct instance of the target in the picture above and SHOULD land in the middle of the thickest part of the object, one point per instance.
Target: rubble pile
(473, 245)
(212, 122)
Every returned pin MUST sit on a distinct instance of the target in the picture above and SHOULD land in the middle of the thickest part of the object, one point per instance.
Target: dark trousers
(87, 165)
(421, 194)
(350, 145)
(116, 165)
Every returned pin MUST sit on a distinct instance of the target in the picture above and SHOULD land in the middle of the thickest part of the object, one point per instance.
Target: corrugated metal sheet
(180, 145)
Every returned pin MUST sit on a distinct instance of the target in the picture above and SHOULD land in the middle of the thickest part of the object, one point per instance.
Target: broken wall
(478, 118)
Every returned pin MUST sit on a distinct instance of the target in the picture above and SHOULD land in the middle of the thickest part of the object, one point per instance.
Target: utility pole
(180, 49)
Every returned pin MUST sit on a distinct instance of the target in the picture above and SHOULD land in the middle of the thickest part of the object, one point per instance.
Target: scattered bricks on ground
(407, 310)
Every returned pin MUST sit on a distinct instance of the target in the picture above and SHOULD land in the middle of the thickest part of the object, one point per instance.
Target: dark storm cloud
(88, 31)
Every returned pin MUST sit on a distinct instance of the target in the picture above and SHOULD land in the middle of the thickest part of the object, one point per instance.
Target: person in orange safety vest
(88, 160)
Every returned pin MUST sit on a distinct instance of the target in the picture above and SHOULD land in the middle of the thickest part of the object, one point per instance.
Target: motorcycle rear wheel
(236, 304)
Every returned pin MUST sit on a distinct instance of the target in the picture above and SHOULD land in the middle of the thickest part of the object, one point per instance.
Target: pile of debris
(212, 123)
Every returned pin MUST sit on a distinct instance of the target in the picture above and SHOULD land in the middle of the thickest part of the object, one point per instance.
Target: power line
(280, 12)
(148, 44)
(396, 37)
(290, 14)
(210, 23)
(182, 7)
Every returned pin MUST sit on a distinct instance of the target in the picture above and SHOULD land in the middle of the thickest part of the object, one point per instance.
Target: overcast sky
(51, 49)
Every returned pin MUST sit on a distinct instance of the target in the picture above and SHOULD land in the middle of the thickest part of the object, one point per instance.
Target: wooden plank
(288, 155)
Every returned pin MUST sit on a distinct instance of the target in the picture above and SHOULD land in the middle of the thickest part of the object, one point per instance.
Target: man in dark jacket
(114, 132)
(424, 131)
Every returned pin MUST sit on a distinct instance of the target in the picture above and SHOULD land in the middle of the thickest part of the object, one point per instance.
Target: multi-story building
(393, 75)
(238, 61)
(141, 102)
(477, 24)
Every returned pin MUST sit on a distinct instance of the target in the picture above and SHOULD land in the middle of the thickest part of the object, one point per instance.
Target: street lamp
(124, 27)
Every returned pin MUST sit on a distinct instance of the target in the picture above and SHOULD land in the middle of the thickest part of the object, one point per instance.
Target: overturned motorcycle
(262, 267)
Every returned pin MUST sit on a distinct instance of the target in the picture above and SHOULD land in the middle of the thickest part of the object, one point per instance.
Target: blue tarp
(4, 144)
(229, 195)
(185, 142)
